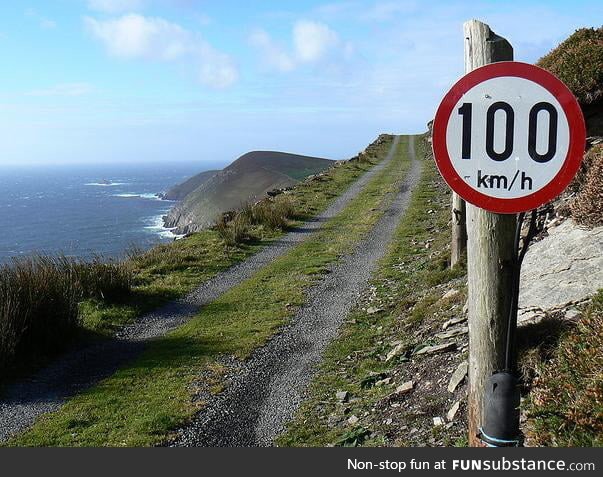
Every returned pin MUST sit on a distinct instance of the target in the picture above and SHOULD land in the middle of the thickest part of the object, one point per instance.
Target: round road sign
(508, 137)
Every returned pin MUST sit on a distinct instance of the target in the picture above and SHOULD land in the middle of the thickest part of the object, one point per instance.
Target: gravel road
(22, 402)
(264, 393)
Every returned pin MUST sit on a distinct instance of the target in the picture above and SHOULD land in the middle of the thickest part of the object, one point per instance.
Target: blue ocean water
(85, 210)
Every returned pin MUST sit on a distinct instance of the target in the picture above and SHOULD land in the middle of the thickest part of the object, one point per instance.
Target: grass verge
(142, 402)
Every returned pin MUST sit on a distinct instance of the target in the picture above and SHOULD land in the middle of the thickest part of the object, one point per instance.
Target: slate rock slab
(564, 268)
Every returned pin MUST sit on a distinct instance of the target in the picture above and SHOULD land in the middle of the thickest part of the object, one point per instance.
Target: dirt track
(266, 391)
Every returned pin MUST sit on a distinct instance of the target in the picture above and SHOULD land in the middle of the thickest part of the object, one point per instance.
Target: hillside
(180, 191)
(245, 180)
(578, 62)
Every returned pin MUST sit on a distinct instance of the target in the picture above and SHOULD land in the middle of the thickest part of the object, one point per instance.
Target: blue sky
(129, 81)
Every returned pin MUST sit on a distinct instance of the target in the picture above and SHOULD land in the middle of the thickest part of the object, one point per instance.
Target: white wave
(102, 184)
(157, 226)
(141, 196)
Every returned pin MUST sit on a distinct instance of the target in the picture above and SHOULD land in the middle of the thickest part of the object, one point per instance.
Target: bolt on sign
(508, 137)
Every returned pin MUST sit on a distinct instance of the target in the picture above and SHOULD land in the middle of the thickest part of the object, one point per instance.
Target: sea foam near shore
(157, 226)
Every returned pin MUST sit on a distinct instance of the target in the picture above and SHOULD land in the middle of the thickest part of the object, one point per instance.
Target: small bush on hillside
(233, 231)
(566, 404)
(587, 207)
(273, 214)
(39, 299)
(578, 62)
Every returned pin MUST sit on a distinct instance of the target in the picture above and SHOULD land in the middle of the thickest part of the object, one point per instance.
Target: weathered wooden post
(490, 254)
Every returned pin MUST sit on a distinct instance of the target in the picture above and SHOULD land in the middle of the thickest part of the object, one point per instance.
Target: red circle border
(577, 137)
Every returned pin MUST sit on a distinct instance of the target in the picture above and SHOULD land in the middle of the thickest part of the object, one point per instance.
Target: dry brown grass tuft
(233, 228)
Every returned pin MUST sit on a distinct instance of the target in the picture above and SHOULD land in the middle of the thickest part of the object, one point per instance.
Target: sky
(141, 81)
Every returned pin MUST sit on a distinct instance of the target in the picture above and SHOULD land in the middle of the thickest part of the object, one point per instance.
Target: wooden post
(489, 256)
(458, 247)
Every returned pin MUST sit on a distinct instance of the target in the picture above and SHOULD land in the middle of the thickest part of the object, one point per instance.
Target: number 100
(466, 112)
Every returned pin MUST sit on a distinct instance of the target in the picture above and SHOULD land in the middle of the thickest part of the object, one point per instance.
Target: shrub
(236, 227)
(233, 230)
(578, 62)
(273, 213)
(566, 403)
(40, 296)
(587, 207)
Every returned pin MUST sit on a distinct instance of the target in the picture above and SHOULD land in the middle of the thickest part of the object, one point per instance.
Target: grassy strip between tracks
(141, 403)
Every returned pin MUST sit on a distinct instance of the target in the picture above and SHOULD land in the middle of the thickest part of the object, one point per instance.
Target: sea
(86, 211)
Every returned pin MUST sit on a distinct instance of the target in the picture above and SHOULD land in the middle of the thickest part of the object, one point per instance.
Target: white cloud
(45, 23)
(115, 6)
(274, 55)
(217, 69)
(64, 89)
(313, 40)
(134, 36)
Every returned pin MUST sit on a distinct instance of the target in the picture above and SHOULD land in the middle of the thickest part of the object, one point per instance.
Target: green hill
(245, 180)
(180, 191)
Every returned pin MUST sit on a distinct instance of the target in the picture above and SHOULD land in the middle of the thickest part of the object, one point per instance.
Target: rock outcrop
(560, 271)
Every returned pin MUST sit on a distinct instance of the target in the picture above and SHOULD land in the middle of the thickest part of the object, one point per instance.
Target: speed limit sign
(508, 137)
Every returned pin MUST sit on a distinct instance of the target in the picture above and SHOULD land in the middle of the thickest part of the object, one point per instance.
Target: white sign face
(507, 137)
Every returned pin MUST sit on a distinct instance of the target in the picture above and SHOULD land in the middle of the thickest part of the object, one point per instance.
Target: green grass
(169, 271)
(402, 282)
(142, 402)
